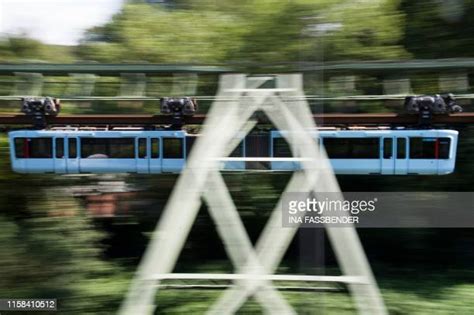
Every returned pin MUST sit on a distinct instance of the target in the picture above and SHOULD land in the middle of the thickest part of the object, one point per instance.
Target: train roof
(361, 133)
(92, 133)
(182, 133)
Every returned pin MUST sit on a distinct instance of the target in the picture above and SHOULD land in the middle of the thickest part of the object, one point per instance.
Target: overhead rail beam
(384, 97)
(107, 69)
(320, 119)
(399, 66)
(149, 68)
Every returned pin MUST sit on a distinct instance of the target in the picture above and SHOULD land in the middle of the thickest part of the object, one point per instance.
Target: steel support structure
(201, 181)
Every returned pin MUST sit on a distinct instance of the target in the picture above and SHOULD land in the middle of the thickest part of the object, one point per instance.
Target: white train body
(386, 152)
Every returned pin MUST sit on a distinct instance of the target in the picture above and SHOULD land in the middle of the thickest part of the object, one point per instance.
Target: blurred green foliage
(438, 29)
(248, 32)
(269, 31)
(50, 248)
(252, 35)
(24, 49)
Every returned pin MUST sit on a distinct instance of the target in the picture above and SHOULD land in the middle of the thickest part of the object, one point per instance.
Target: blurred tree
(144, 33)
(439, 29)
(368, 30)
(50, 249)
(22, 48)
(270, 31)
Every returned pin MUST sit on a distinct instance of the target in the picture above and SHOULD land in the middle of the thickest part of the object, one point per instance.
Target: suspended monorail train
(388, 152)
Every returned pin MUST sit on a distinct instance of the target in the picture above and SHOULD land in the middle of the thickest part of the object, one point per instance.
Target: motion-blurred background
(79, 238)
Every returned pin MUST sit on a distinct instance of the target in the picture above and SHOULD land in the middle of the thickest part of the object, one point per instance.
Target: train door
(155, 155)
(401, 154)
(387, 156)
(72, 157)
(59, 155)
(142, 155)
(172, 149)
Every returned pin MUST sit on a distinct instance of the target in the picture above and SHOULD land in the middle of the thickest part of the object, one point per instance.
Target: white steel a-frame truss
(228, 120)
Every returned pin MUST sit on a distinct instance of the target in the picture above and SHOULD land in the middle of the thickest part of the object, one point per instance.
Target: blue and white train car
(398, 152)
(65, 151)
(387, 152)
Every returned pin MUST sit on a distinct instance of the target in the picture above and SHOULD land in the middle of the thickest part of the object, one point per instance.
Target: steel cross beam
(320, 119)
(224, 125)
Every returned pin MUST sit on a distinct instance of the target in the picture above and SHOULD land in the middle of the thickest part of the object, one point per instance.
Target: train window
(121, 148)
(422, 148)
(93, 147)
(365, 148)
(429, 148)
(336, 148)
(155, 148)
(142, 148)
(59, 148)
(387, 148)
(281, 148)
(21, 148)
(444, 144)
(352, 148)
(72, 148)
(173, 148)
(114, 148)
(401, 148)
(40, 148)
